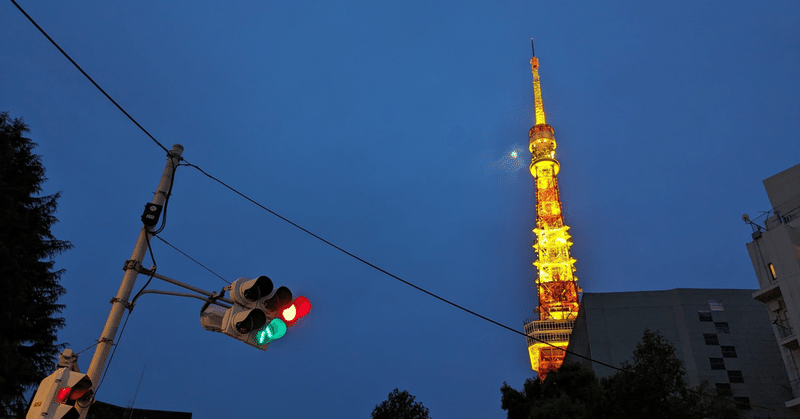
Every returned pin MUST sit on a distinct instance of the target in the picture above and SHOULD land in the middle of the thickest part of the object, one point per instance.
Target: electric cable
(87, 76)
(111, 357)
(277, 215)
(90, 347)
(379, 269)
(166, 198)
(152, 273)
(191, 258)
(187, 163)
(127, 316)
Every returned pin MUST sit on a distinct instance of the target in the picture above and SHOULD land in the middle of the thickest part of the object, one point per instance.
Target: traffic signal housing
(273, 306)
(246, 317)
(259, 315)
(57, 395)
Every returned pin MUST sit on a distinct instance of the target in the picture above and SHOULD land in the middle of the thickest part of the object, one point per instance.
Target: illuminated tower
(556, 283)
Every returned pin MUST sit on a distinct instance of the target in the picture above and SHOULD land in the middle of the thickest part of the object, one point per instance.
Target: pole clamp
(212, 299)
(142, 270)
(131, 264)
(123, 302)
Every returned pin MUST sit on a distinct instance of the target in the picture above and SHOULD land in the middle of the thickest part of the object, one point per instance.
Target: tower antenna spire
(538, 106)
(533, 53)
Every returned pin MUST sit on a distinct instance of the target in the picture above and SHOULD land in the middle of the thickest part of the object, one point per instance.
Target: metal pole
(120, 302)
(189, 287)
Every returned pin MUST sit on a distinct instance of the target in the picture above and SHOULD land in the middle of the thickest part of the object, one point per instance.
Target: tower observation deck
(549, 330)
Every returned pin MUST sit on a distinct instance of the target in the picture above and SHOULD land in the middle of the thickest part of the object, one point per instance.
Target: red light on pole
(80, 385)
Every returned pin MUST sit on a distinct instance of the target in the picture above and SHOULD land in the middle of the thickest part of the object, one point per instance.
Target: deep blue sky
(381, 126)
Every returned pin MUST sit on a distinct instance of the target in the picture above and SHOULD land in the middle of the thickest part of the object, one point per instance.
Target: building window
(722, 327)
(742, 403)
(728, 351)
(717, 363)
(711, 338)
(724, 389)
(735, 376)
(772, 271)
(705, 316)
(715, 305)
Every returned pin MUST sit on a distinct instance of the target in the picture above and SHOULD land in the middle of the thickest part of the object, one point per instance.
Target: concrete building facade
(723, 337)
(775, 254)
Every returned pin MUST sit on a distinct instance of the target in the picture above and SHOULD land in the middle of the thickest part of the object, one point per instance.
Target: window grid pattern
(742, 403)
(735, 376)
(711, 338)
(724, 389)
(717, 363)
(704, 315)
(728, 351)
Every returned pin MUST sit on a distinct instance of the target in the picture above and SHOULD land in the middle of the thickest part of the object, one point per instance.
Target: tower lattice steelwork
(556, 284)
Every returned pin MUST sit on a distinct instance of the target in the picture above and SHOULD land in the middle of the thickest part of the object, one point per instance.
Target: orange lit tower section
(556, 283)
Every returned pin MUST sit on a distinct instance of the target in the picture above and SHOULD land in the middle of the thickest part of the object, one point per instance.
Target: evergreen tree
(570, 392)
(30, 285)
(400, 405)
(651, 386)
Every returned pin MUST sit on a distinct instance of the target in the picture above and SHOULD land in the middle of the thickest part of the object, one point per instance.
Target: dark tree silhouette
(30, 286)
(400, 405)
(651, 386)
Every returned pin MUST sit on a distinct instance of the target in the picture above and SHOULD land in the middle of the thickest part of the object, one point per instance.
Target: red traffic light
(68, 395)
(299, 308)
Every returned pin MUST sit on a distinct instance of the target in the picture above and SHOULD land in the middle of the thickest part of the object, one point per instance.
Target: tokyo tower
(549, 330)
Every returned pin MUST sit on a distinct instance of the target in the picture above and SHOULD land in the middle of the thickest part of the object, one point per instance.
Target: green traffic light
(274, 330)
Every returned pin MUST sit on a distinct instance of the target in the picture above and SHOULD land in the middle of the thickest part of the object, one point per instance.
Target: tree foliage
(30, 284)
(400, 405)
(652, 385)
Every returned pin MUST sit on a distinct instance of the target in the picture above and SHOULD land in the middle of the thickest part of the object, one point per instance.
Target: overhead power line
(191, 258)
(286, 219)
(371, 265)
(88, 77)
(299, 227)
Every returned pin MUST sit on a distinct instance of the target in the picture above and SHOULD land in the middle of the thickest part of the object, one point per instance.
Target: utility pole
(120, 302)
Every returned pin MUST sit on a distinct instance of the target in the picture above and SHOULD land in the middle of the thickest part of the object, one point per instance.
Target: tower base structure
(547, 342)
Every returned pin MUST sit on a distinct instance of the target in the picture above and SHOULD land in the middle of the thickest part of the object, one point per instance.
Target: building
(102, 410)
(722, 336)
(549, 329)
(775, 253)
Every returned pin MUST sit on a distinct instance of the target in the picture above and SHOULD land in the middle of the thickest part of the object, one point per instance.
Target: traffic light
(259, 315)
(273, 306)
(246, 318)
(286, 316)
(57, 395)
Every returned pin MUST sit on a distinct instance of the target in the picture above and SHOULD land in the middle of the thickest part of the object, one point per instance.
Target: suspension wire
(565, 350)
(152, 273)
(87, 76)
(90, 347)
(111, 358)
(166, 197)
(286, 220)
(379, 269)
(191, 258)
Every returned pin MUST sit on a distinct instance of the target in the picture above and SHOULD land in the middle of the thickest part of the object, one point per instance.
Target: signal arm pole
(120, 302)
